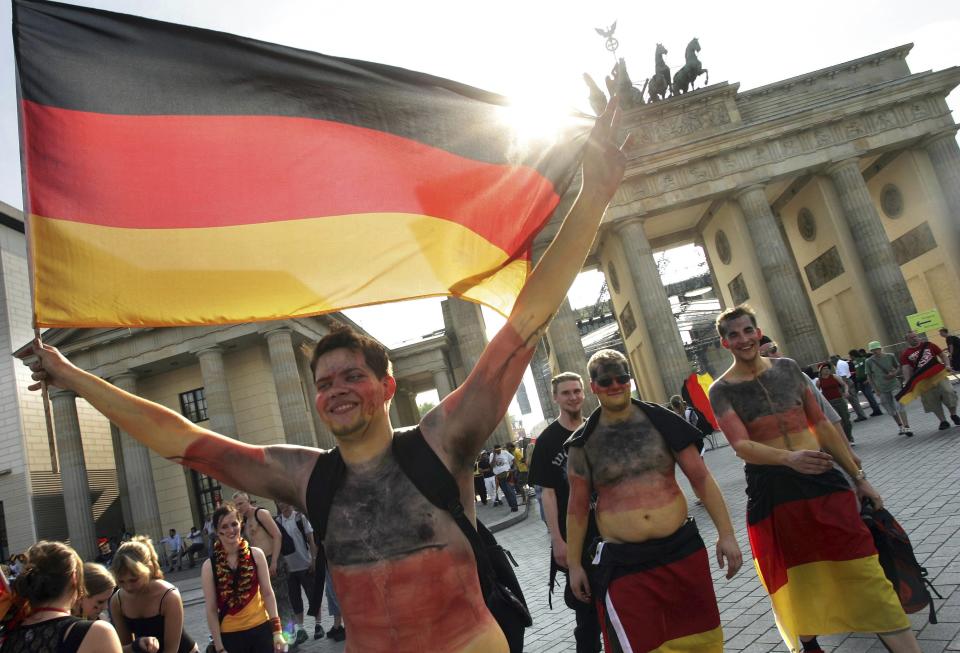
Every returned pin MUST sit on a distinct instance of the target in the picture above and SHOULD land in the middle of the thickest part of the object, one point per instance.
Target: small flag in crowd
(177, 175)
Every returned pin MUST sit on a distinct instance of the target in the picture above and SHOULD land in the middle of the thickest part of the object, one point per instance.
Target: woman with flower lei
(241, 607)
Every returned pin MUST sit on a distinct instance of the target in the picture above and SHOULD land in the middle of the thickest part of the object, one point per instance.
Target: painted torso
(770, 406)
(633, 474)
(404, 574)
(256, 534)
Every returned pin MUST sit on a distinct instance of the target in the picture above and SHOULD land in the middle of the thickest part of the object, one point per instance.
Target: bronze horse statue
(660, 82)
(619, 83)
(686, 76)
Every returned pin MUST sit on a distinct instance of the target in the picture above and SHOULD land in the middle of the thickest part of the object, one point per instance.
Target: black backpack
(899, 562)
(498, 582)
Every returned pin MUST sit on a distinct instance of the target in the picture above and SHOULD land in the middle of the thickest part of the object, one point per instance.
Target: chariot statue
(660, 82)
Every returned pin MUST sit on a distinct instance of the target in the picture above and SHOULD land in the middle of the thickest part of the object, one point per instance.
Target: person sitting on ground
(146, 605)
(51, 584)
(241, 609)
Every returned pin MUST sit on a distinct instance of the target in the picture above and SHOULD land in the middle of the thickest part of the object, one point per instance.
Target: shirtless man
(404, 572)
(261, 531)
(652, 585)
(814, 556)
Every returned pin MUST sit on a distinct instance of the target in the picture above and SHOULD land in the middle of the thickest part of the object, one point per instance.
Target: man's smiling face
(742, 338)
(349, 394)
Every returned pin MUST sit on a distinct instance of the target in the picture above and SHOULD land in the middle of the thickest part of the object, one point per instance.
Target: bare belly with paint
(427, 601)
(640, 509)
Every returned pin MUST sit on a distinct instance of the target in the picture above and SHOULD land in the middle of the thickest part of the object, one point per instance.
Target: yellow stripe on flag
(823, 598)
(91, 276)
(710, 641)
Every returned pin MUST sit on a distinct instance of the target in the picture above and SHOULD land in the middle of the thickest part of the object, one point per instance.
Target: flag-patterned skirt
(815, 556)
(658, 595)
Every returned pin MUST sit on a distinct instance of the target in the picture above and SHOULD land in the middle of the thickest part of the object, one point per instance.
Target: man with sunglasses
(652, 583)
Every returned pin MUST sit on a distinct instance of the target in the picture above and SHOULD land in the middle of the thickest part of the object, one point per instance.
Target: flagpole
(44, 390)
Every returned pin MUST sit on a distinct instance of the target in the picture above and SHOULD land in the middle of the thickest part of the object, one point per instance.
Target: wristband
(277, 627)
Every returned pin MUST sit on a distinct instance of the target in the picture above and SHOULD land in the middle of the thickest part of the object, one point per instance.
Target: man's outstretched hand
(604, 161)
(49, 365)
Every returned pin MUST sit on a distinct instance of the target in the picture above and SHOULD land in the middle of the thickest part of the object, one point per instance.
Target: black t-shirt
(955, 360)
(549, 468)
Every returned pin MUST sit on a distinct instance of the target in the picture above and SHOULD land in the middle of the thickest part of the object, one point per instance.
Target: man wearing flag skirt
(404, 572)
(924, 368)
(812, 552)
(652, 585)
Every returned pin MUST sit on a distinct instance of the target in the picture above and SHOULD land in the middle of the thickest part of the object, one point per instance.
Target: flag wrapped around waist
(925, 377)
(178, 175)
(815, 557)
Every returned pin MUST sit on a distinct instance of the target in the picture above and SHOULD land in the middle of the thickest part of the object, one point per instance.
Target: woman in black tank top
(146, 605)
(48, 588)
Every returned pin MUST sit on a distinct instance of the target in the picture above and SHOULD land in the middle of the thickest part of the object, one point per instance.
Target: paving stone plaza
(919, 479)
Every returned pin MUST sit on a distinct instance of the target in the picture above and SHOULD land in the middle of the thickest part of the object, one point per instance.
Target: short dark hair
(733, 314)
(853, 353)
(563, 377)
(222, 511)
(343, 337)
(605, 356)
(765, 340)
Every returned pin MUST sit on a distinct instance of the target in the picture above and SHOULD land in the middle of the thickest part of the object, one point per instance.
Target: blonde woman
(51, 583)
(146, 605)
(241, 607)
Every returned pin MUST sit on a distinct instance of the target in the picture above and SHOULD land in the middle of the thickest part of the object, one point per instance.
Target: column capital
(60, 393)
(275, 329)
(633, 220)
(836, 166)
(126, 375)
(741, 192)
(949, 133)
(208, 349)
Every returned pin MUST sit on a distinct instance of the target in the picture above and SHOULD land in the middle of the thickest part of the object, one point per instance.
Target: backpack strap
(420, 463)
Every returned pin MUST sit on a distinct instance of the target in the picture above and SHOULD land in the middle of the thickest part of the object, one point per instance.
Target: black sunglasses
(607, 381)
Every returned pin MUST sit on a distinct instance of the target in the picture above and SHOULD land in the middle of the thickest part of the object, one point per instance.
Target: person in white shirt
(174, 544)
(300, 565)
(195, 545)
(502, 461)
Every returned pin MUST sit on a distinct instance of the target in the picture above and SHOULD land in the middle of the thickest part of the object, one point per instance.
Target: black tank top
(153, 626)
(48, 636)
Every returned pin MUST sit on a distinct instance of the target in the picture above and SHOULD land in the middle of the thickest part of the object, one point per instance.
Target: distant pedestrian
(146, 605)
(841, 369)
(834, 390)
(924, 373)
(858, 358)
(337, 633)
(952, 348)
(51, 583)
(174, 544)
(300, 565)
(195, 545)
(502, 462)
(485, 466)
(241, 609)
(883, 370)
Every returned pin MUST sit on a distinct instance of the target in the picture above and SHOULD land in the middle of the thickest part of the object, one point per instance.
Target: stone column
(325, 439)
(73, 474)
(124, 494)
(654, 306)
(138, 470)
(540, 366)
(217, 392)
(801, 336)
(884, 278)
(405, 403)
(297, 425)
(469, 331)
(944, 154)
(566, 345)
(441, 380)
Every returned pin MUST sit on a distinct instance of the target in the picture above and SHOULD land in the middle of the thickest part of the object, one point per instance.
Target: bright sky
(536, 51)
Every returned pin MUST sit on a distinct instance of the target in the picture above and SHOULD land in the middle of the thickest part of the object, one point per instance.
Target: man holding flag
(924, 367)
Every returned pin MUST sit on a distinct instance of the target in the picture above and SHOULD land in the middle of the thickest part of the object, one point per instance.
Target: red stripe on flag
(808, 530)
(175, 171)
(700, 400)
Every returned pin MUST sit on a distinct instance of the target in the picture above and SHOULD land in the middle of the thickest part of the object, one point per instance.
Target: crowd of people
(410, 564)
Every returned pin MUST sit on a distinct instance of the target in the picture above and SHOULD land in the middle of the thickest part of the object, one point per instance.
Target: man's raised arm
(466, 417)
(278, 471)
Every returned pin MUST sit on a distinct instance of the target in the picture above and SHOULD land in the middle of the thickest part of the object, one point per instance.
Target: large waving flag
(184, 176)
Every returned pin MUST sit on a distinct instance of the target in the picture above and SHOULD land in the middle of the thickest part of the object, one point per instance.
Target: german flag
(657, 596)
(815, 556)
(696, 392)
(928, 373)
(178, 175)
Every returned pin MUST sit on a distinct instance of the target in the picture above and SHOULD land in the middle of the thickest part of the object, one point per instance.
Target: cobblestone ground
(919, 479)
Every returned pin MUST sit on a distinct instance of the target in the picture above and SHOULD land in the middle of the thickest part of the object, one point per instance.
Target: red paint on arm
(225, 459)
(811, 408)
(732, 427)
(578, 505)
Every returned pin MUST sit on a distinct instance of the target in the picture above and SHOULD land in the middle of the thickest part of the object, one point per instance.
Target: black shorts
(258, 639)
